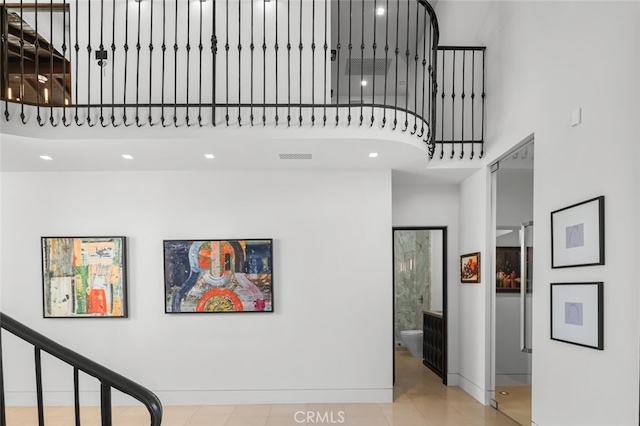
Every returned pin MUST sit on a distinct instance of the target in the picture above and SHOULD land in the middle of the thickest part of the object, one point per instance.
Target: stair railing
(108, 379)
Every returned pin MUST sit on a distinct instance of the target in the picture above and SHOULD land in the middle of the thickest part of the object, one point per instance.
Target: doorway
(512, 205)
(420, 296)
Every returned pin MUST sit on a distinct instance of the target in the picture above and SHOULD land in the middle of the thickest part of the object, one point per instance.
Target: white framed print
(577, 314)
(577, 234)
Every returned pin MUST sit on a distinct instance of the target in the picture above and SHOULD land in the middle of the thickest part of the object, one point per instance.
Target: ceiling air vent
(296, 156)
(369, 66)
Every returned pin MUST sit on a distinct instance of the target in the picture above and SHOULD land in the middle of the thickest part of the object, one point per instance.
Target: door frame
(444, 293)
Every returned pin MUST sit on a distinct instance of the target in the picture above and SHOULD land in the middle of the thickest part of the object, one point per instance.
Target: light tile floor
(420, 399)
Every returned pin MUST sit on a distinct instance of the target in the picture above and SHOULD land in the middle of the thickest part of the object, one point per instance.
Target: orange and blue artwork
(84, 277)
(209, 276)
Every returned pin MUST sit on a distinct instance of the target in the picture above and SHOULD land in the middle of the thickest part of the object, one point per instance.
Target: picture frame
(470, 268)
(218, 276)
(508, 275)
(84, 277)
(577, 315)
(577, 234)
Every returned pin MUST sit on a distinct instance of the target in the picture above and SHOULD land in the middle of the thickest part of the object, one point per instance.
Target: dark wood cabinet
(433, 342)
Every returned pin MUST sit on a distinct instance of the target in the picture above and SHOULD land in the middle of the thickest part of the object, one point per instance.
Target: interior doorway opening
(420, 296)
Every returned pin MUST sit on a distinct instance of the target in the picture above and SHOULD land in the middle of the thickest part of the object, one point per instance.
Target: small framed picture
(577, 314)
(577, 234)
(470, 268)
(84, 277)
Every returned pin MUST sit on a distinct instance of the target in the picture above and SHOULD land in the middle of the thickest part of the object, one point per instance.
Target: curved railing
(108, 379)
(221, 62)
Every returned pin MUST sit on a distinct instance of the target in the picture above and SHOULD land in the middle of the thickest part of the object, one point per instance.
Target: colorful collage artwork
(218, 276)
(84, 277)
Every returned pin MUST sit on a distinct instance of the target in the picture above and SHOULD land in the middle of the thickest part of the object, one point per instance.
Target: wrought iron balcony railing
(242, 62)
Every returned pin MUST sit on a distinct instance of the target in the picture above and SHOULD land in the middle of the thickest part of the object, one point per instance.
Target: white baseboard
(453, 379)
(474, 390)
(294, 396)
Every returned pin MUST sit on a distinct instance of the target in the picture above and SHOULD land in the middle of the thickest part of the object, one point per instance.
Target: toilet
(412, 339)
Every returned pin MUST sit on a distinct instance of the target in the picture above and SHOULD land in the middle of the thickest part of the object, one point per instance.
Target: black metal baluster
(89, 50)
(395, 110)
(149, 118)
(350, 62)
(289, 63)
(113, 64)
(483, 97)
(276, 49)
(415, 76)
(64, 64)
(76, 47)
(313, 62)
(473, 101)
(22, 116)
(444, 60)
(252, 48)
(101, 73)
(164, 50)
(375, 46)
(36, 45)
(105, 404)
(126, 62)
(175, 68)
(433, 86)
(406, 80)
(338, 66)
(5, 74)
(264, 62)
(188, 47)
(453, 105)
(76, 395)
(51, 60)
(326, 46)
(362, 64)
(300, 49)
(39, 396)
(226, 48)
(427, 29)
(464, 60)
(240, 62)
(214, 54)
(200, 47)
(386, 72)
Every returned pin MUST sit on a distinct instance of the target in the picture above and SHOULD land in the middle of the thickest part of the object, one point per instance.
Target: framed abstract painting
(215, 276)
(84, 277)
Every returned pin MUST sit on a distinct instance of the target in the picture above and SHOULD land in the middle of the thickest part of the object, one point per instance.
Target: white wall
(332, 272)
(436, 205)
(544, 60)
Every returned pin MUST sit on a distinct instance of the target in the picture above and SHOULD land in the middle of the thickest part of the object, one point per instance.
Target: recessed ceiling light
(380, 11)
(46, 157)
(42, 79)
(209, 156)
(127, 156)
(363, 82)
(373, 154)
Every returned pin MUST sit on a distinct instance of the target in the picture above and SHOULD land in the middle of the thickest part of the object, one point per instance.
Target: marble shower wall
(412, 265)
